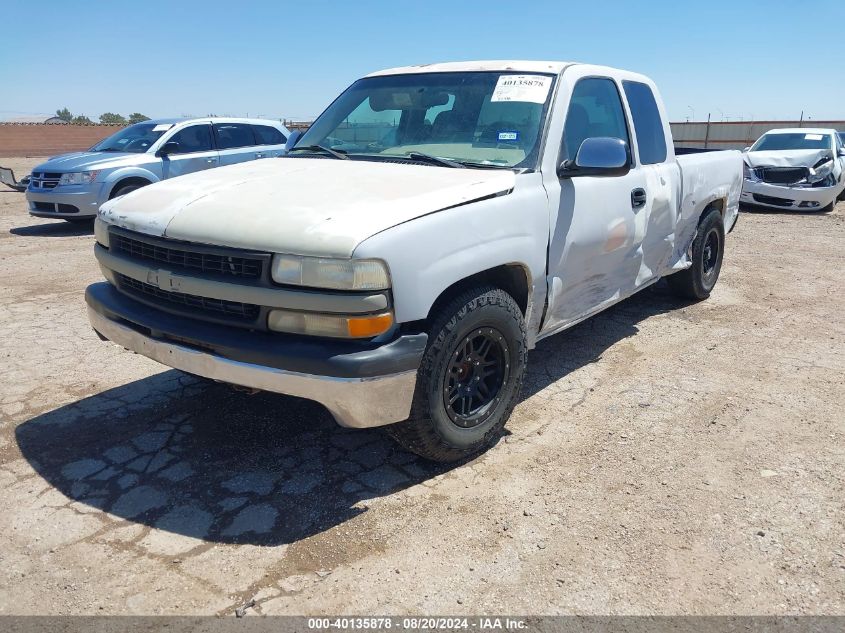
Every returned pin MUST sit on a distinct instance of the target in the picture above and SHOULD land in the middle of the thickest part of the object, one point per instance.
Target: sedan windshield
(469, 119)
(136, 138)
(791, 140)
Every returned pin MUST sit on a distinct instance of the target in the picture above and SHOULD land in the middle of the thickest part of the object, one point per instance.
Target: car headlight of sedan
(748, 172)
(820, 172)
(330, 273)
(78, 178)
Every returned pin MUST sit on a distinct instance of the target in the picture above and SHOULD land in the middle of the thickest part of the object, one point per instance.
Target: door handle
(259, 155)
(638, 198)
(210, 160)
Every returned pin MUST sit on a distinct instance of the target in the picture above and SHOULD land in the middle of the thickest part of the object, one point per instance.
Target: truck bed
(705, 177)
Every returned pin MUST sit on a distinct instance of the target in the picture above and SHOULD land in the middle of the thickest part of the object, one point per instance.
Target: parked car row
(74, 186)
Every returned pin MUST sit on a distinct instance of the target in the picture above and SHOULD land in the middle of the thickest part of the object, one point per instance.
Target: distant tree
(137, 117)
(81, 119)
(64, 114)
(110, 118)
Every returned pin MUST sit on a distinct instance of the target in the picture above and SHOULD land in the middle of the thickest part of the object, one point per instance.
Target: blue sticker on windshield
(509, 136)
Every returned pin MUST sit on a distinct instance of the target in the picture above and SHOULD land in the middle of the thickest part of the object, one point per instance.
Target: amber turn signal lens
(336, 326)
(365, 327)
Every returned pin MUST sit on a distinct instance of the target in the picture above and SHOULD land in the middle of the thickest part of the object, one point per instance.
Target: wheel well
(718, 204)
(512, 278)
(135, 180)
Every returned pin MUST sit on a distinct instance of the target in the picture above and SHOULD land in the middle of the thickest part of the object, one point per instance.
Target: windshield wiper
(445, 162)
(319, 148)
(467, 163)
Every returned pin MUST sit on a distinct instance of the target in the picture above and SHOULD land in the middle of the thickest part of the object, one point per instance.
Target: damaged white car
(796, 168)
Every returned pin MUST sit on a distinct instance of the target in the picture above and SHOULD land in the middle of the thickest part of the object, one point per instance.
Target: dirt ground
(666, 458)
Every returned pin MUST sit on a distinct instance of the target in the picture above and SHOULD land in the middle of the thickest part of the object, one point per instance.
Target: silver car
(73, 186)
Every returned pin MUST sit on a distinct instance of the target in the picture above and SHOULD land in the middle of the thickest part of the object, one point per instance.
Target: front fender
(123, 173)
(429, 254)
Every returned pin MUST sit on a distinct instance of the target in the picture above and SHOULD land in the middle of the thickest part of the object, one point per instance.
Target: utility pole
(707, 133)
(801, 121)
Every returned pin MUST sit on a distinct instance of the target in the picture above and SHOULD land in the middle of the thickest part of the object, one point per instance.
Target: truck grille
(217, 309)
(782, 175)
(44, 180)
(195, 258)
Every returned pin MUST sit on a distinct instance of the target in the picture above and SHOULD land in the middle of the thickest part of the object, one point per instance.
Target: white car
(795, 168)
(427, 230)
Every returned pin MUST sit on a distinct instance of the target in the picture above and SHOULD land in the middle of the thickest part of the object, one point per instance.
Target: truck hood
(86, 161)
(787, 158)
(303, 206)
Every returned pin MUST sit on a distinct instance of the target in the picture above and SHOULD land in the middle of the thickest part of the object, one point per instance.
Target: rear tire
(469, 379)
(697, 281)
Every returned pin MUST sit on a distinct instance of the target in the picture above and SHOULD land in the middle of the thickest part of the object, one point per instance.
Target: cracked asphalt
(666, 458)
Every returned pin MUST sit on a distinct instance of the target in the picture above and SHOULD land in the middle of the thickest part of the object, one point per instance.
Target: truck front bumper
(361, 386)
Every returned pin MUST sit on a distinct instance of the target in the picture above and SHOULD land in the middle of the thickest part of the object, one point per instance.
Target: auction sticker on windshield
(530, 88)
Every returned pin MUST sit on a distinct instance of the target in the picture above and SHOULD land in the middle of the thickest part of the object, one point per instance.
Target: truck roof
(478, 66)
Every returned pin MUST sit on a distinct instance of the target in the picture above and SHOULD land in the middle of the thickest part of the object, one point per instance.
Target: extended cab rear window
(651, 139)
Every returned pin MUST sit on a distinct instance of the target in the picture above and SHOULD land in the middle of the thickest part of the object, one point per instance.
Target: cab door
(595, 245)
(270, 140)
(235, 142)
(194, 151)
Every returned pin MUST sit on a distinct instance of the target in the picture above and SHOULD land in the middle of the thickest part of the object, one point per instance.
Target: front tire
(469, 379)
(124, 190)
(697, 281)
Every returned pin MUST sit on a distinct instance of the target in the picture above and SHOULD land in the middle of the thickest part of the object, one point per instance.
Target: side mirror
(745, 149)
(292, 140)
(842, 151)
(171, 147)
(598, 156)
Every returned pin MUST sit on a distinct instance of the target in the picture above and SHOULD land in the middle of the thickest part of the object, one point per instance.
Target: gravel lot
(666, 458)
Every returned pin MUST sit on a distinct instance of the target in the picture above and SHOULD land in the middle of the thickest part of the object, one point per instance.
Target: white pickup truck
(430, 227)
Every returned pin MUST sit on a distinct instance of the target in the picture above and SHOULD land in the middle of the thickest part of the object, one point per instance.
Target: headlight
(335, 326)
(747, 172)
(78, 178)
(336, 274)
(820, 173)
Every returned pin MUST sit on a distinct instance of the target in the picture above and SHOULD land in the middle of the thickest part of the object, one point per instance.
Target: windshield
(791, 140)
(136, 138)
(485, 119)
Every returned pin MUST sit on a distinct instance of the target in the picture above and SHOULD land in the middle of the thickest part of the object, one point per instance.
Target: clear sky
(750, 59)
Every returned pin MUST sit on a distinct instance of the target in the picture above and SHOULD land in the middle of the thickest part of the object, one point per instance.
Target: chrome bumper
(354, 402)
